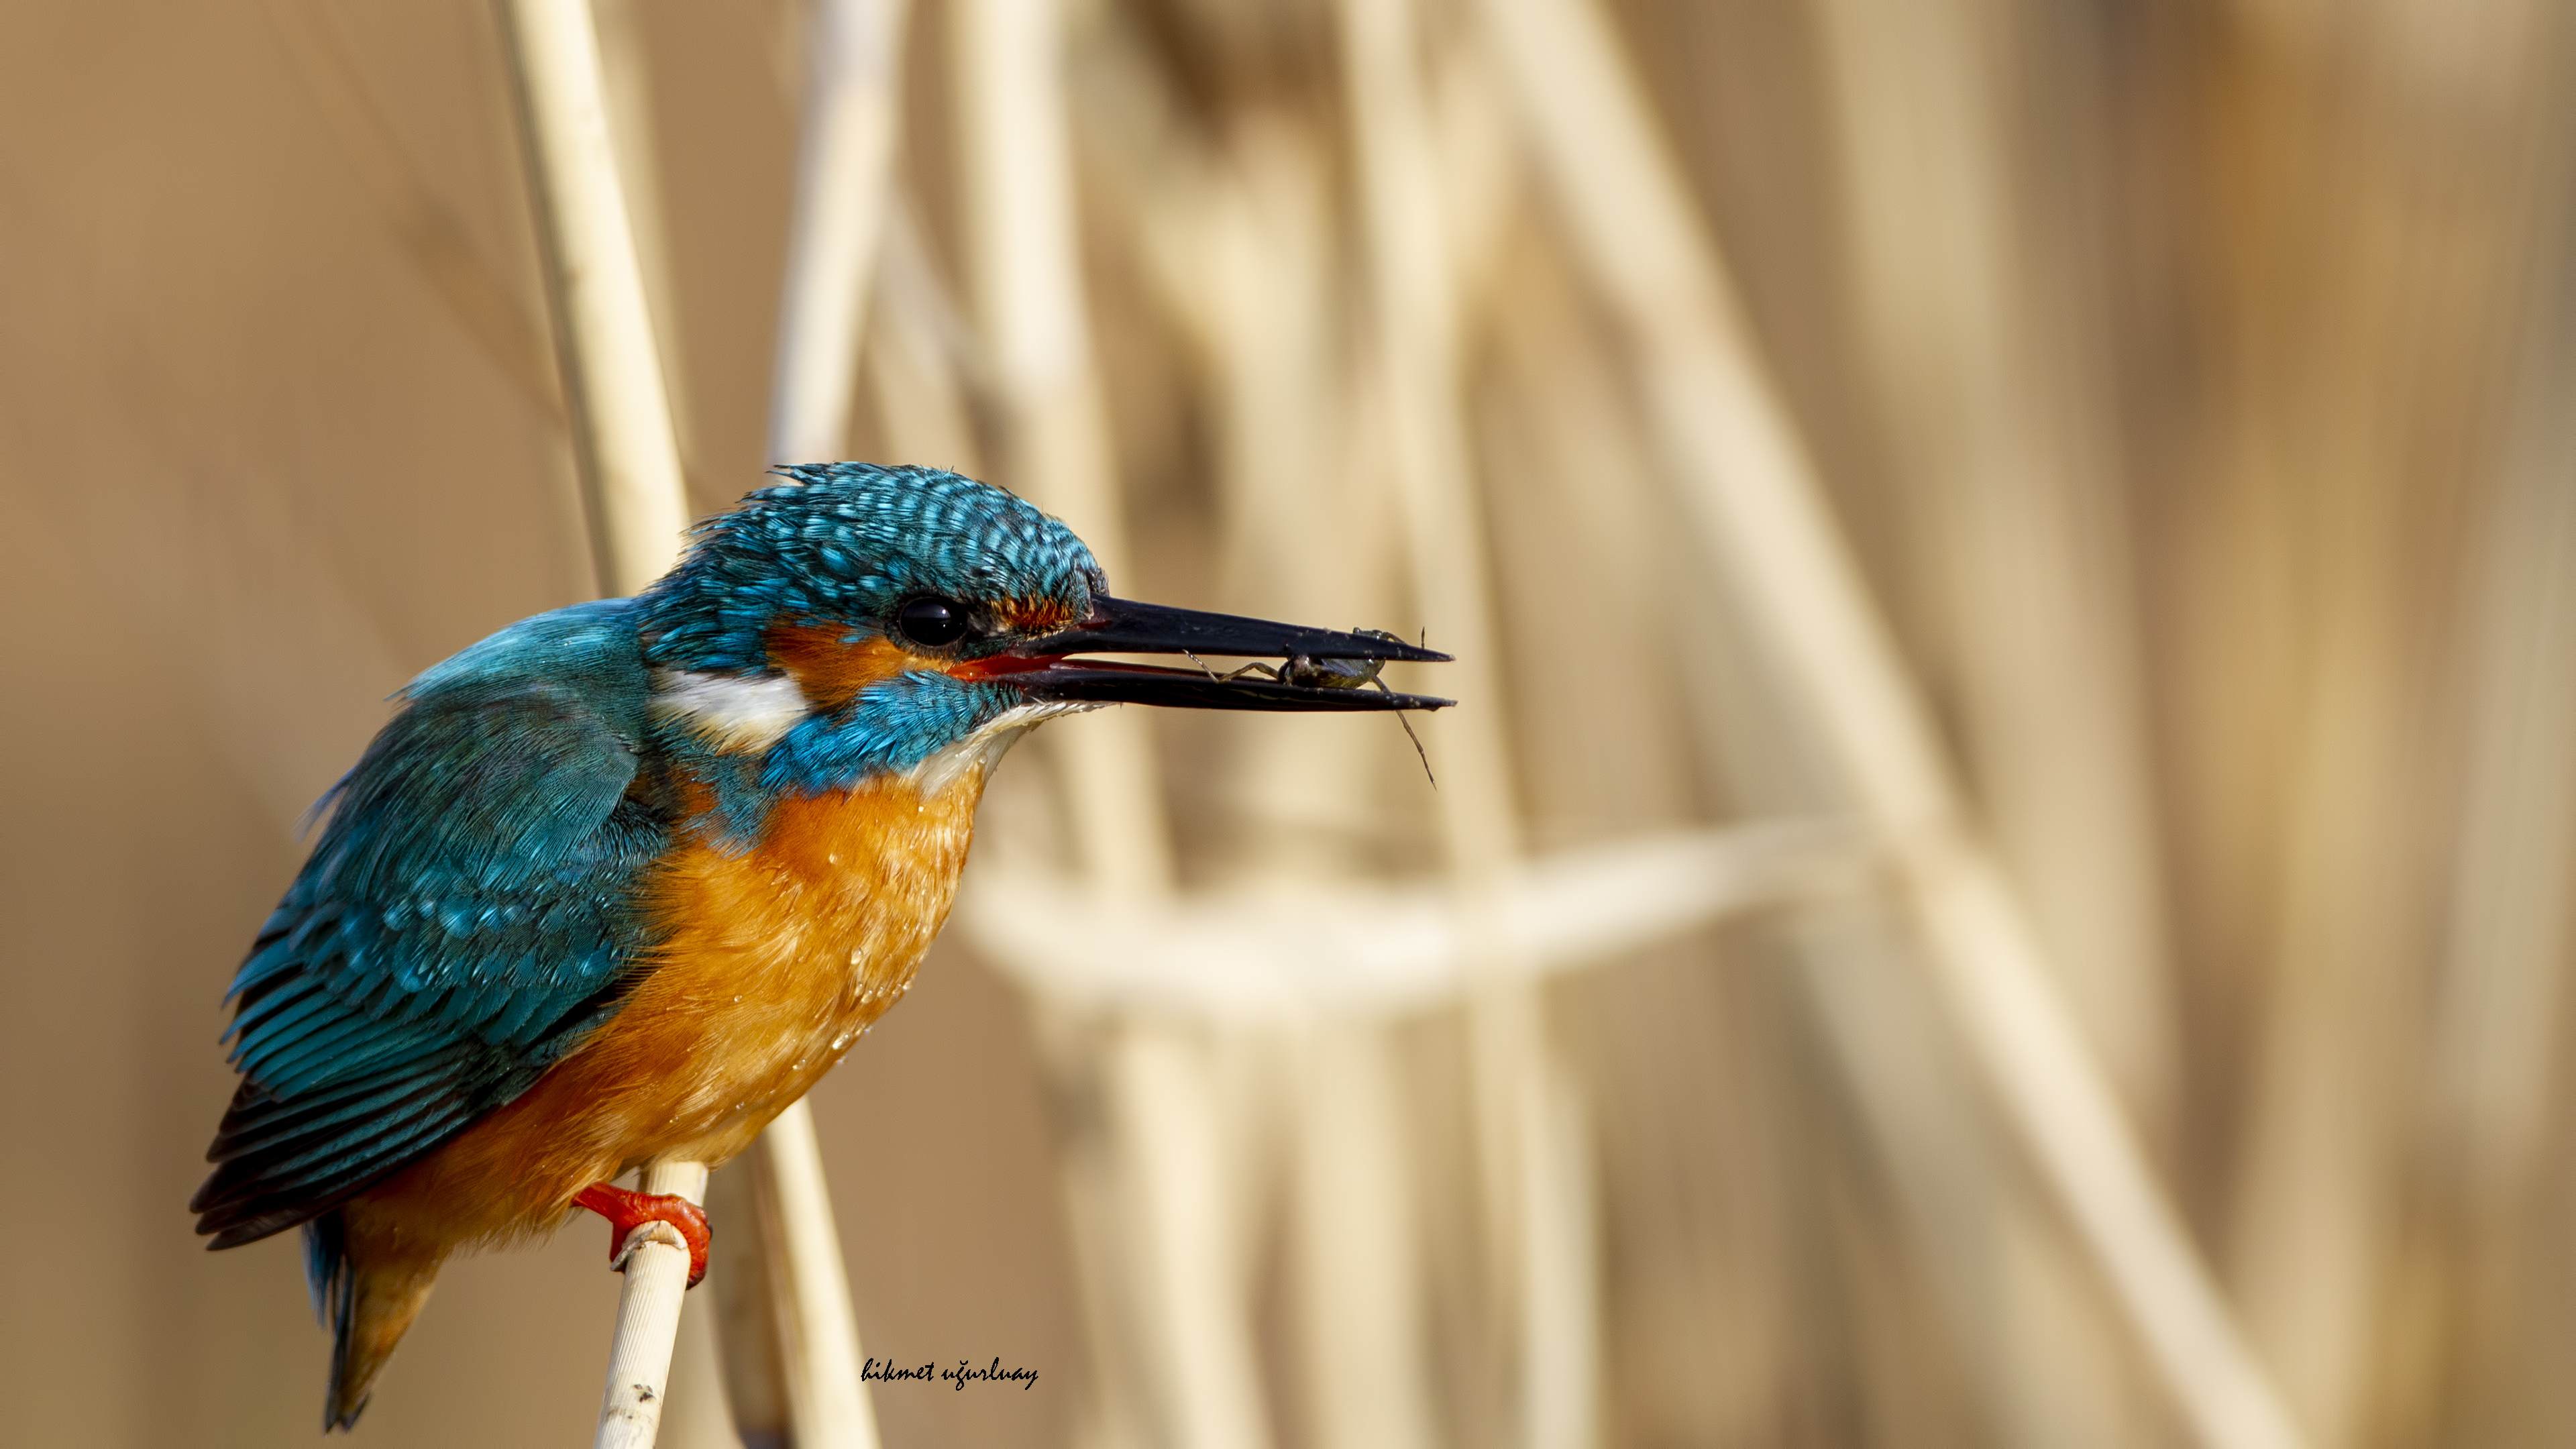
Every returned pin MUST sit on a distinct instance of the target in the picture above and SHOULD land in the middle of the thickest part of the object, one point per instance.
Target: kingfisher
(622, 881)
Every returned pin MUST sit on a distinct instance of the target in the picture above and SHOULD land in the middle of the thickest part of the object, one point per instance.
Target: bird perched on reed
(622, 881)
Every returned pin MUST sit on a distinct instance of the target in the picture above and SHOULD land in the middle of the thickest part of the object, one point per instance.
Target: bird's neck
(744, 746)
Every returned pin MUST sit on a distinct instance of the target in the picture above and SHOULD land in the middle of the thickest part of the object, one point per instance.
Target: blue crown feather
(846, 542)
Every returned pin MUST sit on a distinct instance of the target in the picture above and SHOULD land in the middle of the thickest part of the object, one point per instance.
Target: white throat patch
(728, 710)
(983, 749)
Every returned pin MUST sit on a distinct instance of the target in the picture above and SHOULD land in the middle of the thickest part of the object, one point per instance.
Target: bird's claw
(632, 1213)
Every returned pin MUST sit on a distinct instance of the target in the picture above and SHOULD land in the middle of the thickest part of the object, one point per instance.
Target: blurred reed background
(2189, 383)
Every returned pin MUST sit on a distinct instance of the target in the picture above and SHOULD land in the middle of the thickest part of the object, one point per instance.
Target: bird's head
(856, 620)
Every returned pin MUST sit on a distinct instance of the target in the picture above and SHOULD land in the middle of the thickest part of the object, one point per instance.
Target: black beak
(1306, 681)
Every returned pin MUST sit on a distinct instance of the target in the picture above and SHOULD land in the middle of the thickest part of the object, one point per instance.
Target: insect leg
(1231, 675)
(1419, 753)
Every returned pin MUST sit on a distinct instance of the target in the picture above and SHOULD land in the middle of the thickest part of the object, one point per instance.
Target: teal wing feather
(469, 915)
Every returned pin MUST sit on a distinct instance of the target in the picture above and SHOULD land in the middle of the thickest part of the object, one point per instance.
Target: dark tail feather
(334, 1285)
(366, 1307)
(326, 1271)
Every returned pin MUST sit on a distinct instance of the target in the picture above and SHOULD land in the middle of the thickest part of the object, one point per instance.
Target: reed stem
(648, 1317)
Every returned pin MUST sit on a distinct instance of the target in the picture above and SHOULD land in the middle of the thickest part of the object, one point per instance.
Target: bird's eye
(930, 621)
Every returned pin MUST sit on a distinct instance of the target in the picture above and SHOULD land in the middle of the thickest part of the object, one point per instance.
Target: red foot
(626, 1211)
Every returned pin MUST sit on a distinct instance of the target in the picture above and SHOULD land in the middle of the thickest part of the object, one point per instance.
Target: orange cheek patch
(831, 671)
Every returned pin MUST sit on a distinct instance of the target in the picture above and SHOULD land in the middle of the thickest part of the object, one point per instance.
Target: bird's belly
(775, 960)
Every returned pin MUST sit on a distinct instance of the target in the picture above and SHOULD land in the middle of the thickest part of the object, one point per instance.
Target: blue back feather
(466, 916)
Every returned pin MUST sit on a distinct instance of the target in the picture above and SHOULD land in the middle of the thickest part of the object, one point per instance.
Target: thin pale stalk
(1240, 241)
(2412, 264)
(1686, 1080)
(1414, 302)
(604, 345)
(626, 76)
(915, 373)
(648, 1318)
(1749, 491)
(2497, 1027)
(2002, 485)
(1181, 1135)
(1999, 451)
(1359, 1274)
(1219, 955)
(2498, 1042)
(751, 1359)
(1025, 264)
(1189, 1321)
(827, 1403)
(699, 1412)
(631, 470)
(844, 164)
